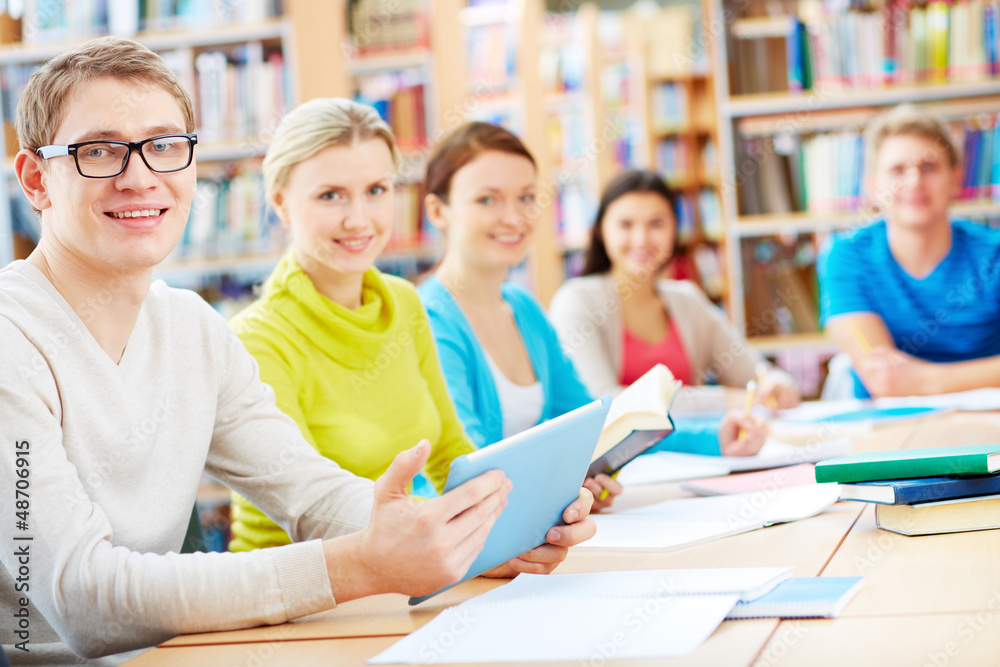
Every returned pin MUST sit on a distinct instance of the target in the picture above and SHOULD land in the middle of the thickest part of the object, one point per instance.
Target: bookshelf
(571, 105)
(246, 49)
(628, 89)
(681, 142)
(501, 83)
(796, 84)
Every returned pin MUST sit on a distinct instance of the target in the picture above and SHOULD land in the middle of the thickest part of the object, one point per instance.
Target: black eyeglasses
(105, 159)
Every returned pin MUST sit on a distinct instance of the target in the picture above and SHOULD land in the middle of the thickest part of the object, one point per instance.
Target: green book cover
(903, 463)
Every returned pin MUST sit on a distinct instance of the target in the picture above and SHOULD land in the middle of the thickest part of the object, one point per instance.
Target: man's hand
(416, 548)
(754, 432)
(542, 560)
(887, 371)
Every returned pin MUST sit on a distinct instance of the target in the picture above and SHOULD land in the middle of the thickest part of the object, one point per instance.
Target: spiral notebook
(802, 597)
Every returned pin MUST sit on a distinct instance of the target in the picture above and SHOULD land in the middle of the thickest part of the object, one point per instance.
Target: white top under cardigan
(521, 405)
(116, 455)
(586, 313)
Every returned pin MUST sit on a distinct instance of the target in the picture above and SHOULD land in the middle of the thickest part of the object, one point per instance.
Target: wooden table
(928, 601)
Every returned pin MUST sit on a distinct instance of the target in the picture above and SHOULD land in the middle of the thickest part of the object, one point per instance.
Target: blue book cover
(793, 48)
(802, 597)
(995, 173)
(990, 19)
(920, 489)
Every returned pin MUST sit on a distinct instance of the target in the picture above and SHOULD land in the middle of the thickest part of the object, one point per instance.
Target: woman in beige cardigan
(619, 319)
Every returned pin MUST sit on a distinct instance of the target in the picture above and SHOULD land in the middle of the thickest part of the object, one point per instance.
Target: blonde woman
(348, 350)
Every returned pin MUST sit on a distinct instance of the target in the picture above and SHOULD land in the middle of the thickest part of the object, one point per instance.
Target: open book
(638, 419)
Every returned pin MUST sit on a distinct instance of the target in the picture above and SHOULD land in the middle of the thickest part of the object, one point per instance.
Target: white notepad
(597, 616)
(680, 523)
(673, 466)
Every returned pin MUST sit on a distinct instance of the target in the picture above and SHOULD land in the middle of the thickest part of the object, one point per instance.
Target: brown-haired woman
(501, 357)
(620, 318)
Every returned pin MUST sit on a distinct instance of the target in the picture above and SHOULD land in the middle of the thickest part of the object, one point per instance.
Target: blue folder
(547, 464)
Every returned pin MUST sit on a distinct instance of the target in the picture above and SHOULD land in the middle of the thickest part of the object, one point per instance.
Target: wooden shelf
(794, 223)
(194, 267)
(160, 40)
(484, 15)
(375, 64)
(761, 26)
(814, 342)
(805, 223)
(836, 119)
(810, 101)
(411, 250)
(213, 495)
(222, 152)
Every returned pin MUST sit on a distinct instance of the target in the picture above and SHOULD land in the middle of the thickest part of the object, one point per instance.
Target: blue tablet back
(547, 464)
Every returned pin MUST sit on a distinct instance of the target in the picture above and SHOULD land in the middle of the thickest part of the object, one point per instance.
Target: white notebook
(680, 523)
(672, 466)
(583, 617)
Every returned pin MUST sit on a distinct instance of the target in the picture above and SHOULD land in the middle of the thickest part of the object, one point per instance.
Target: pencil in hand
(761, 371)
(859, 337)
(751, 394)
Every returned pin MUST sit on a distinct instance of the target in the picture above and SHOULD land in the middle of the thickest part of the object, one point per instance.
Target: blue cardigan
(471, 384)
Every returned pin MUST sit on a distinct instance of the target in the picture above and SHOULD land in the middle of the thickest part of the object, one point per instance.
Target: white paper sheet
(671, 466)
(598, 616)
(974, 400)
(678, 523)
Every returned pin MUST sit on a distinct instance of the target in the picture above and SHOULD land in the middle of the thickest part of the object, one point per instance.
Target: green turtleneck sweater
(363, 385)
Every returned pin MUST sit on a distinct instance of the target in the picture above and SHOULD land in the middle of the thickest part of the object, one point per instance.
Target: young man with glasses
(115, 394)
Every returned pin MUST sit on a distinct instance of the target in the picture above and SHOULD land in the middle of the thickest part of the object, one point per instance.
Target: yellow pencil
(761, 372)
(859, 337)
(604, 492)
(751, 393)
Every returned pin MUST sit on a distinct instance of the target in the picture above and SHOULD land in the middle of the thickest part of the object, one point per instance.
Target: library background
(751, 109)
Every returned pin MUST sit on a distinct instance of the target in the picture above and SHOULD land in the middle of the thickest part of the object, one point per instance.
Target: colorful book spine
(920, 490)
(937, 40)
(901, 464)
(795, 56)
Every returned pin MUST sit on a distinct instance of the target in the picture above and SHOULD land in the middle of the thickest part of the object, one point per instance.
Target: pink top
(638, 356)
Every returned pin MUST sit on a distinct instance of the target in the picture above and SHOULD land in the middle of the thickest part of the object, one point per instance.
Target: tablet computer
(547, 464)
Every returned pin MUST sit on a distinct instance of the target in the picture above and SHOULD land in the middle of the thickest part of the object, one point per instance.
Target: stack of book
(923, 491)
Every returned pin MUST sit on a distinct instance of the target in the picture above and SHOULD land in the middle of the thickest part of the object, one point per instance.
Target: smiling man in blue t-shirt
(914, 299)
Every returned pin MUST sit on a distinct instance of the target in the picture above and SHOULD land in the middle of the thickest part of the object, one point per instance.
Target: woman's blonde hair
(907, 119)
(318, 124)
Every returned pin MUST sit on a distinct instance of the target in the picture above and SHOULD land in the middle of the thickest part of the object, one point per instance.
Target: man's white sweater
(115, 453)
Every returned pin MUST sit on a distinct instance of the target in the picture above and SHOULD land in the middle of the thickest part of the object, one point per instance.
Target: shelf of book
(793, 92)
(212, 59)
(376, 64)
(683, 146)
(159, 40)
(809, 101)
(803, 222)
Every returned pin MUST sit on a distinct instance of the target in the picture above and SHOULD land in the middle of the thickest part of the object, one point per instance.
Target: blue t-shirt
(952, 314)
